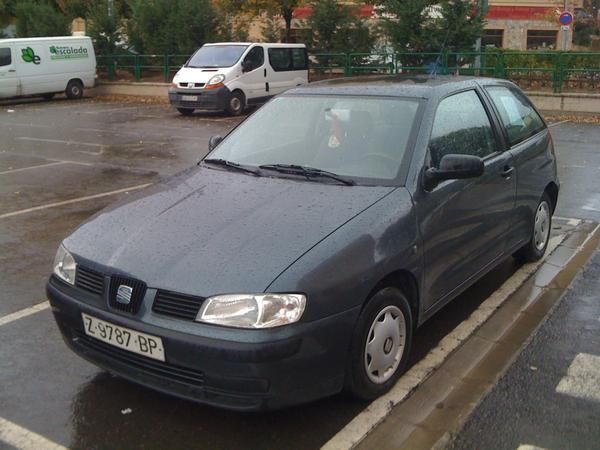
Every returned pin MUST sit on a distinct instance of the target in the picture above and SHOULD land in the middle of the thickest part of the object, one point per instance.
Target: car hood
(198, 75)
(208, 231)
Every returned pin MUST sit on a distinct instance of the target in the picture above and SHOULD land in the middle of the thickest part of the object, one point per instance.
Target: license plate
(189, 98)
(125, 338)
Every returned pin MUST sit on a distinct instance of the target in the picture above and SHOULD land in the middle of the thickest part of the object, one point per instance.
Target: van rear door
(9, 81)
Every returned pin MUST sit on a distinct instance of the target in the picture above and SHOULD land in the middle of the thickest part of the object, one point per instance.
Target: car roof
(419, 86)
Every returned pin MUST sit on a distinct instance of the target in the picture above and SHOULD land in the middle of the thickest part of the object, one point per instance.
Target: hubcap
(541, 228)
(235, 103)
(385, 344)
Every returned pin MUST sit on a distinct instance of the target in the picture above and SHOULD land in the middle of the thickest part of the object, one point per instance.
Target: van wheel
(540, 234)
(237, 103)
(380, 345)
(185, 111)
(48, 96)
(74, 90)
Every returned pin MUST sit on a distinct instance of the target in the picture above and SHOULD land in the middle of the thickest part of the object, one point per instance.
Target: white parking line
(530, 447)
(112, 110)
(24, 313)
(22, 169)
(58, 141)
(582, 379)
(356, 430)
(75, 200)
(24, 439)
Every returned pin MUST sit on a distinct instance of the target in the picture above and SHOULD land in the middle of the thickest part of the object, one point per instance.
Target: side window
(5, 58)
(299, 59)
(518, 116)
(254, 59)
(461, 126)
(280, 59)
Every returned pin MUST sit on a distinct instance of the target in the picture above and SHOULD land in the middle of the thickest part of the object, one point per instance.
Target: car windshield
(359, 137)
(217, 56)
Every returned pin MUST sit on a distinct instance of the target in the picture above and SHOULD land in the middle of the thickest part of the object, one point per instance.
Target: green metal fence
(551, 71)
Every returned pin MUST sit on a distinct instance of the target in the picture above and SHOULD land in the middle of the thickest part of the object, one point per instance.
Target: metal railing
(552, 70)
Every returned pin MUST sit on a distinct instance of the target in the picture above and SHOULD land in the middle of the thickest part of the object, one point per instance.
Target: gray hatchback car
(300, 255)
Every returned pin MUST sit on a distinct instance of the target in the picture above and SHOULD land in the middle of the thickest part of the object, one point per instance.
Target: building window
(492, 38)
(541, 39)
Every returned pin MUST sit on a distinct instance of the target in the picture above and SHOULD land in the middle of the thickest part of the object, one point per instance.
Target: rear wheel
(380, 345)
(237, 103)
(185, 111)
(540, 234)
(74, 89)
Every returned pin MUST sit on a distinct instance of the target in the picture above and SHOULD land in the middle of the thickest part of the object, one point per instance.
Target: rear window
(519, 118)
(5, 58)
(285, 59)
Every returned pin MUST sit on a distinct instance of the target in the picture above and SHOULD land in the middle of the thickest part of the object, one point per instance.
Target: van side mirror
(213, 142)
(454, 167)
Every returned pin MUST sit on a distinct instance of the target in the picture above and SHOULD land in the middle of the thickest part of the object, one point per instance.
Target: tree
(170, 26)
(336, 27)
(103, 28)
(430, 25)
(40, 18)
(271, 30)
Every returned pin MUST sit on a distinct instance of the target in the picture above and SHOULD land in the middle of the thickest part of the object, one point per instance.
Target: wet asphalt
(89, 147)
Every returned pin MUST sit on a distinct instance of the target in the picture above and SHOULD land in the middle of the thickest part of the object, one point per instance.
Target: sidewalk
(550, 397)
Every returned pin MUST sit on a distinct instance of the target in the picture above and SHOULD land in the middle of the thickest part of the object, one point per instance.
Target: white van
(232, 75)
(46, 66)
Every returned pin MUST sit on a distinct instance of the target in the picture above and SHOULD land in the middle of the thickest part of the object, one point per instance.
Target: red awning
(518, 12)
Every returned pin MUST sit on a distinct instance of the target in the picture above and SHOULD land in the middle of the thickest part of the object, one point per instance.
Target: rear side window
(461, 127)
(5, 58)
(518, 116)
(285, 59)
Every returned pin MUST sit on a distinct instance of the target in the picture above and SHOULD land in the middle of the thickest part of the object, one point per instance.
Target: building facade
(528, 24)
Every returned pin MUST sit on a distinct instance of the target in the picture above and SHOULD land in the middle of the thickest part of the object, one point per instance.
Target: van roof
(40, 39)
(269, 44)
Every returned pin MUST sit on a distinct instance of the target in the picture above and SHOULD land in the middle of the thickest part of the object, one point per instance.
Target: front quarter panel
(342, 270)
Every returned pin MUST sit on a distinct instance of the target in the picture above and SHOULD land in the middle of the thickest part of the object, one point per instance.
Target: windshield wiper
(308, 172)
(232, 165)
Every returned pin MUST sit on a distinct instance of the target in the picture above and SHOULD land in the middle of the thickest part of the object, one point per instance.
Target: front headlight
(252, 311)
(64, 265)
(215, 82)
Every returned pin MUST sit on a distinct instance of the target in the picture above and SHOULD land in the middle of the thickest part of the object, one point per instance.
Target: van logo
(124, 294)
(29, 56)
(67, 52)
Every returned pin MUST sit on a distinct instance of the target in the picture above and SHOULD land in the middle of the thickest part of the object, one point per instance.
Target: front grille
(190, 85)
(141, 363)
(181, 306)
(89, 280)
(137, 294)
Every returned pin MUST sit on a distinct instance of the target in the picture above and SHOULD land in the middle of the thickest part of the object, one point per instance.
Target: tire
(49, 96)
(237, 103)
(540, 233)
(185, 111)
(379, 353)
(74, 90)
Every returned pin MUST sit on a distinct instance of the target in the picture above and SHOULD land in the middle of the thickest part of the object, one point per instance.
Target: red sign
(566, 19)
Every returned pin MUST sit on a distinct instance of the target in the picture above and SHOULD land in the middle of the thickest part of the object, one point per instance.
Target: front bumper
(301, 363)
(211, 99)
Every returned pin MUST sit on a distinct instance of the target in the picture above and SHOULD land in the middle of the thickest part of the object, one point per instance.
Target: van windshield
(216, 56)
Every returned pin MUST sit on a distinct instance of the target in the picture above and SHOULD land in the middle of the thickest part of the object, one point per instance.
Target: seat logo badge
(124, 294)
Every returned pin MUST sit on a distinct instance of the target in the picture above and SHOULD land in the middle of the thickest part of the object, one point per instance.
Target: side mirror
(213, 142)
(247, 66)
(454, 167)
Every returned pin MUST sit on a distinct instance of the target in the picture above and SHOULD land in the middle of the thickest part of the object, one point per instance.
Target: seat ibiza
(299, 256)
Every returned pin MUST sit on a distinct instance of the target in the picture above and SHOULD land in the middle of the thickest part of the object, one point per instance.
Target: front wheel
(237, 103)
(380, 345)
(74, 90)
(540, 234)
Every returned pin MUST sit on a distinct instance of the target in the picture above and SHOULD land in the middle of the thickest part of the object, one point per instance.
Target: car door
(254, 76)
(9, 81)
(531, 146)
(463, 223)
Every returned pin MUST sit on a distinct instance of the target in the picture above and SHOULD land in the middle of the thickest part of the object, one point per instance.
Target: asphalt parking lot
(60, 163)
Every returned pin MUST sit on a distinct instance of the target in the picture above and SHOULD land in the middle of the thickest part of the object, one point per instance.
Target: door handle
(508, 171)
(12, 70)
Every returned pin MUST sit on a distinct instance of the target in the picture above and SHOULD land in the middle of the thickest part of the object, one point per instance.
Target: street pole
(110, 8)
(481, 8)
(566, 33)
